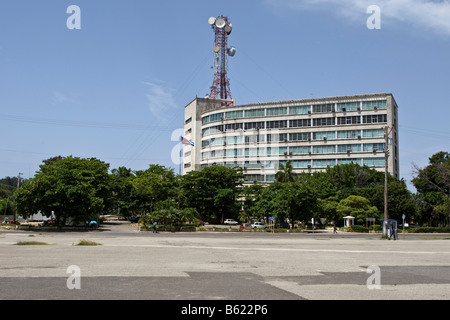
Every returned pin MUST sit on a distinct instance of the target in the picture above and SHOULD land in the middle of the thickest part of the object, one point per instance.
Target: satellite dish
(231, 51)
(212, 20)
(220, 23)
(228, 28)
(216, 49)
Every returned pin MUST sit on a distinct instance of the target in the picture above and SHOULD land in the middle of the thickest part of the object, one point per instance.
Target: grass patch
(31, 243)
(88, 243)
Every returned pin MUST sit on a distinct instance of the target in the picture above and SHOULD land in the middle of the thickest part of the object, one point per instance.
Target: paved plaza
(129, 264)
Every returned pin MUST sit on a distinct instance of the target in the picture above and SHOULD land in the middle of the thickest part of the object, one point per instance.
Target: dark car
(283, 225)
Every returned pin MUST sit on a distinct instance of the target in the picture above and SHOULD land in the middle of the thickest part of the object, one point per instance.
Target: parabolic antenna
(212, 20)
(220, 23)
(228, 28)
(216, 49)
(231, 51)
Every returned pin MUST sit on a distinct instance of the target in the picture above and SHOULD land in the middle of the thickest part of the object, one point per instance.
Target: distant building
(314, 133)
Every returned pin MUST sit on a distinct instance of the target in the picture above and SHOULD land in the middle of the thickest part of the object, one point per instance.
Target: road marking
(277, 249)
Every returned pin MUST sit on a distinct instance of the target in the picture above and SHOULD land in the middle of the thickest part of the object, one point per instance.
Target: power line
(74, 123)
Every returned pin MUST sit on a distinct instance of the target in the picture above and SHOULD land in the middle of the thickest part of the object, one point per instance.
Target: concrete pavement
(234, 266)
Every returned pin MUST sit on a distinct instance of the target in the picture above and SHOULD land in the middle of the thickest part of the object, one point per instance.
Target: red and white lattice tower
(220, 88)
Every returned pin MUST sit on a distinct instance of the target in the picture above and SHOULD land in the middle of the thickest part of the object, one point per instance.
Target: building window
(276, 124)
(324, 149)
(301, 163)
(349, 161)
(373, 147)
(276, 111)
(254, 125)
(348, 106)
(348, 148)
(323, 108)
(188, 120)
(233, 126)
(254, 113)
(300, 150)
(374, 162)
(212, 130)
(323, 163)
(298, 123)
(349, 120)
(349, 134)
(373, 133)
(319, 122)
(234, 114)
(371, 105)
(324, 135)
(299, 109)
(300, 136)
(375, 118)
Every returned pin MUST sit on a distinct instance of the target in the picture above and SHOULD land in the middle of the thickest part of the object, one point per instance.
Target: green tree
(155, 184)
(213, 192)
(358, 207)
(285, 172)
(72, 188)
(124, 201)
(433, 187)
(292, 200)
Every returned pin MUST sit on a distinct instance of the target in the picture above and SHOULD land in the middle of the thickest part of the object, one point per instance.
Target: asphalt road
(222, 266)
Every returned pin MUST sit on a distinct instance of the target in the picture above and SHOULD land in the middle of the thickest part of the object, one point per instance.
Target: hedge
(356, 228)
(429, 230)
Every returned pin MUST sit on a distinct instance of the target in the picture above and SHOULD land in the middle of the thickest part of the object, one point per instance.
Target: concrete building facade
(314, 133)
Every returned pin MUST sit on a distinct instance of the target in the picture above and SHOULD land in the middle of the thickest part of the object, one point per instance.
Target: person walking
(154, 227)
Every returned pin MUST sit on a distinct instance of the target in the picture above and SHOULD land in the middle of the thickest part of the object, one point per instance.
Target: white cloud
(161, 100)
(428, 14)
(59, 97)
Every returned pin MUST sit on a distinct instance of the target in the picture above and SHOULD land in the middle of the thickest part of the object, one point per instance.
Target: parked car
(201, 223)
(259, 225)
(230, 221)
(245, 226)
(283, 225)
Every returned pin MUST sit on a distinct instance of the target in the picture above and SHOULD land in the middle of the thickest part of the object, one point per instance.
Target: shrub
(356, 228)
(429, 230)
(88, 243)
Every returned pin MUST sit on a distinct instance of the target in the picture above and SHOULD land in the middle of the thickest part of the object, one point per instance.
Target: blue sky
(116, 89)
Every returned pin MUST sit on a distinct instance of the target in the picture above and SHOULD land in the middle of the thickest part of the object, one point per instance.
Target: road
(129, 265)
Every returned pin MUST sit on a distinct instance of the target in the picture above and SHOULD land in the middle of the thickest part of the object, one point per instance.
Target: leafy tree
(72, 188)
(358, 207)
(292, 200)
(155, 184)
(285, 172)
(433, 187)
(213, 192)
(123, 198)
(250, 194)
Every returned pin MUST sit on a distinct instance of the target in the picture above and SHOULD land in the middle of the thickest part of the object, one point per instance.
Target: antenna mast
(220, 88)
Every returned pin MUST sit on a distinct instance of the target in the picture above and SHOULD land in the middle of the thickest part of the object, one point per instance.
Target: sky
(111, 80)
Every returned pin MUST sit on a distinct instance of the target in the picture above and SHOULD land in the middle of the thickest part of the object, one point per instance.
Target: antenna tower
(220, 88)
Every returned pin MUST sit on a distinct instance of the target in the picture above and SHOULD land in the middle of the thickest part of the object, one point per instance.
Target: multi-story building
(314, 133)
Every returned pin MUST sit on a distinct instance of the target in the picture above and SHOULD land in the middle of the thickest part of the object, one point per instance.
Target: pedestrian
(334, 229)
(154, 227)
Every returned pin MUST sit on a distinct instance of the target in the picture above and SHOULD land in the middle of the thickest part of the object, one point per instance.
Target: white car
(259, 225)
(230, 221)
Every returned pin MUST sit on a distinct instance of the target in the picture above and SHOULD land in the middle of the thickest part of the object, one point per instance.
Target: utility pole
(386, 158)
(18, 185)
